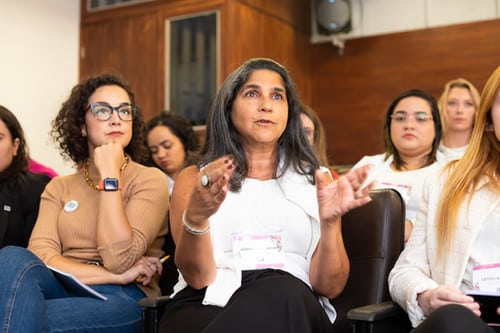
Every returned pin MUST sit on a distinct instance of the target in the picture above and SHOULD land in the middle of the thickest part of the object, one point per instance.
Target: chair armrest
(376, 312)
(153, 302)
(151, 313)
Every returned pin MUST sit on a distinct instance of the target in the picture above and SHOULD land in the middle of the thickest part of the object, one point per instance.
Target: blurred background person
(316, 136)
(20, 189)
(457, 106)
(411, 136)
(172, 145)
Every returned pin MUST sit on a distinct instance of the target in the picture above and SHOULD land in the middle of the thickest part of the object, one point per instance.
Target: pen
(162, 260)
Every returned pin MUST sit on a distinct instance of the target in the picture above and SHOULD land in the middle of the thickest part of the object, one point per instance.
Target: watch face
(110, 184)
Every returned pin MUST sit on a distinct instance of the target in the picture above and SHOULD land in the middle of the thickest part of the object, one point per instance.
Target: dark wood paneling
(250, 31)
(130, 40)
(351, 92)
(128, 49)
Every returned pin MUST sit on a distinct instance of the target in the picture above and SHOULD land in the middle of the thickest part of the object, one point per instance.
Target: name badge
(259, 251)
(486, 277)
(404, 190)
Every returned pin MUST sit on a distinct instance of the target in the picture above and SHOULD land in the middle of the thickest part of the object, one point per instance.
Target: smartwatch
(109, 184)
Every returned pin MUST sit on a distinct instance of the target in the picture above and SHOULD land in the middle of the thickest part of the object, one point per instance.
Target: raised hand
(346, 193)
(210, 189)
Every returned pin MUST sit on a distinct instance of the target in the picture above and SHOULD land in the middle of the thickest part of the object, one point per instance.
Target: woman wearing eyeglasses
(103, 224)
(411, 136)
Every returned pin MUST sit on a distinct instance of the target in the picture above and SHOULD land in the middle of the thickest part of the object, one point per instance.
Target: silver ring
(205, 180)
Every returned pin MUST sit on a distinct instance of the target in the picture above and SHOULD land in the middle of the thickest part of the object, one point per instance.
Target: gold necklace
(87, 176)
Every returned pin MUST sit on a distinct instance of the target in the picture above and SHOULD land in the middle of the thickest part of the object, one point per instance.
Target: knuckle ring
(205, 181)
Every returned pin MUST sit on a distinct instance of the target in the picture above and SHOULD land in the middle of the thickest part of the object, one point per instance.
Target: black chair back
(374, 237)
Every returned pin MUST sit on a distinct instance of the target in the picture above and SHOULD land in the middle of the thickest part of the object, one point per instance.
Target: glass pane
(192, 74)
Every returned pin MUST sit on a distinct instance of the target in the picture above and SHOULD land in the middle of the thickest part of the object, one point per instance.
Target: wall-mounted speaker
(332, 16)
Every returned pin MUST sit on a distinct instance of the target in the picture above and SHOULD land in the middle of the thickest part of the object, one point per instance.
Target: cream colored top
(418, 268)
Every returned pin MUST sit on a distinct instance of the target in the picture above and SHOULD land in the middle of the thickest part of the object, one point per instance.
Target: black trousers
(453, 318)
(268, 301)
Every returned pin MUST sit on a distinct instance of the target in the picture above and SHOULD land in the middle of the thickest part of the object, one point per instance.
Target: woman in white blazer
(457, 232)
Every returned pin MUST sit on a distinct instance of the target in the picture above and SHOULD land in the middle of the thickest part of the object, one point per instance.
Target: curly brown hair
(67, 126)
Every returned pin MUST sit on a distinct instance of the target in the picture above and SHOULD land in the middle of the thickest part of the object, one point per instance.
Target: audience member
(316, 136)
(256, 223)
(457, 106)
(19, 189)
(104, 224)
(456, 233)
(172, 145)
(411, 136)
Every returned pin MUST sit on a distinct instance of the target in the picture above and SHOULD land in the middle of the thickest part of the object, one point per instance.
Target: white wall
(39, 43)
(376, 17)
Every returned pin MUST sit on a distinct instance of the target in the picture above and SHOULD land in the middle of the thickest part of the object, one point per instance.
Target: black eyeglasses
(103, 111)
(402, 117)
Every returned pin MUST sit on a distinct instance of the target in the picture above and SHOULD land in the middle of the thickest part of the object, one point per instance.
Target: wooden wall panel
(250, 31)
(130, 49)
(351, 92)
(130, 40)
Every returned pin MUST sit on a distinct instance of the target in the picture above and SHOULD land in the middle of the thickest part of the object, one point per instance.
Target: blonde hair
(456, 83)
(480, 162)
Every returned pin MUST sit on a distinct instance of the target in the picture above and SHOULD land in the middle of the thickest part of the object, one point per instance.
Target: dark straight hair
(389, 147)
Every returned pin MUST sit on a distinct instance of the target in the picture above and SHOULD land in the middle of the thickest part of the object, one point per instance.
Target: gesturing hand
(338, 197)
(210, 189)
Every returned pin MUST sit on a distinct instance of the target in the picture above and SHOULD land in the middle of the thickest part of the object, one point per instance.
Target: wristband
(190, 229)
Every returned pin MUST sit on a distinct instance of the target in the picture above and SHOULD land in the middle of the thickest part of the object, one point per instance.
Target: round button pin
(70, 206)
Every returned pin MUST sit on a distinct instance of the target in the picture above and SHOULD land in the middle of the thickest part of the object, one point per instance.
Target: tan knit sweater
(72, 233)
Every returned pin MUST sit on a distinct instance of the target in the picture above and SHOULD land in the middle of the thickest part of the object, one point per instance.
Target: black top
(19, 203)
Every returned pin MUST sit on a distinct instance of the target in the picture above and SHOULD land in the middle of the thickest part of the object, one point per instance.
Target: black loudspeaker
(332, 16)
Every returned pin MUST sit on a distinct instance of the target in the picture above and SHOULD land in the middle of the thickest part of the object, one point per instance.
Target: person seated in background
(316, 136)
(20, 189)
(256, 222)
(172, 145)
(456, 234)
(103, 224)
(411, 136)
(457, 106)
(37, 167)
